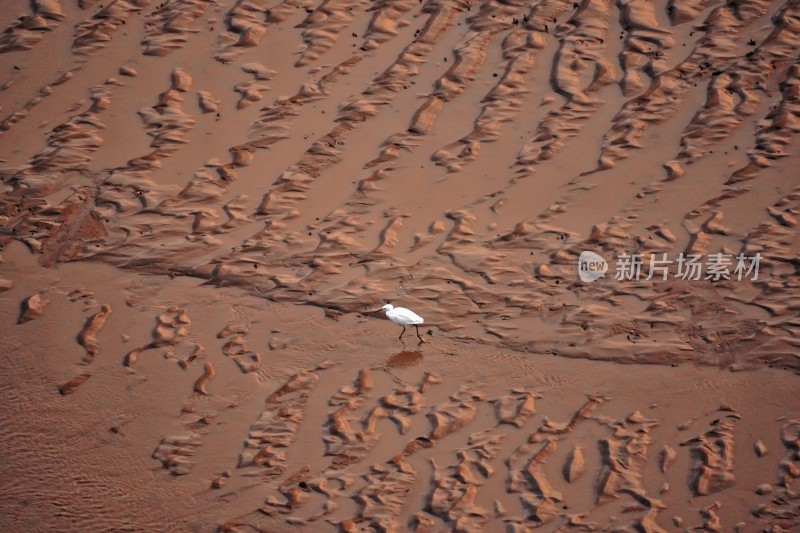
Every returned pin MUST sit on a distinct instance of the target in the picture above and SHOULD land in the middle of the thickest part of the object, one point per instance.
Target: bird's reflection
(406, 357)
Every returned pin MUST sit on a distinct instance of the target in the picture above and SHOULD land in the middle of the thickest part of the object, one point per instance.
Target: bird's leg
(401, 334)
(420, 338)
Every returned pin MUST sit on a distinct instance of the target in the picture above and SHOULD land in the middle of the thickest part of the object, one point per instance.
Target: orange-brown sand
(204, 204)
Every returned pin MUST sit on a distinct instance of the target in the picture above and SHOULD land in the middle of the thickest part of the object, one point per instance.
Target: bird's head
(387, 307)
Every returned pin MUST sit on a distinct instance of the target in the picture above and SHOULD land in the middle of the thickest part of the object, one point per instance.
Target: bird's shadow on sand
(406, 357)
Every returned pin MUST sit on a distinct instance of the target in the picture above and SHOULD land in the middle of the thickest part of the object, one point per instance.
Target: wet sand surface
(204, 204)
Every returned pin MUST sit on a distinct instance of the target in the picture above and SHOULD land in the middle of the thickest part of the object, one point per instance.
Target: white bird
(403, 317)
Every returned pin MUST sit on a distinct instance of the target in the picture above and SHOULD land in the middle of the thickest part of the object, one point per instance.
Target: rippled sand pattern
(176, 176)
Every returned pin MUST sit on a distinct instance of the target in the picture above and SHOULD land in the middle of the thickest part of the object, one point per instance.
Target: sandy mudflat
(203, 204)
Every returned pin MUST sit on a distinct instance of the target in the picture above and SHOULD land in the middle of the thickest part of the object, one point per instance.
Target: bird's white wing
(407, 316)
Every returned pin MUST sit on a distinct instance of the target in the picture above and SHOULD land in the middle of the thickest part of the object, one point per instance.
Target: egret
(403, 317)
